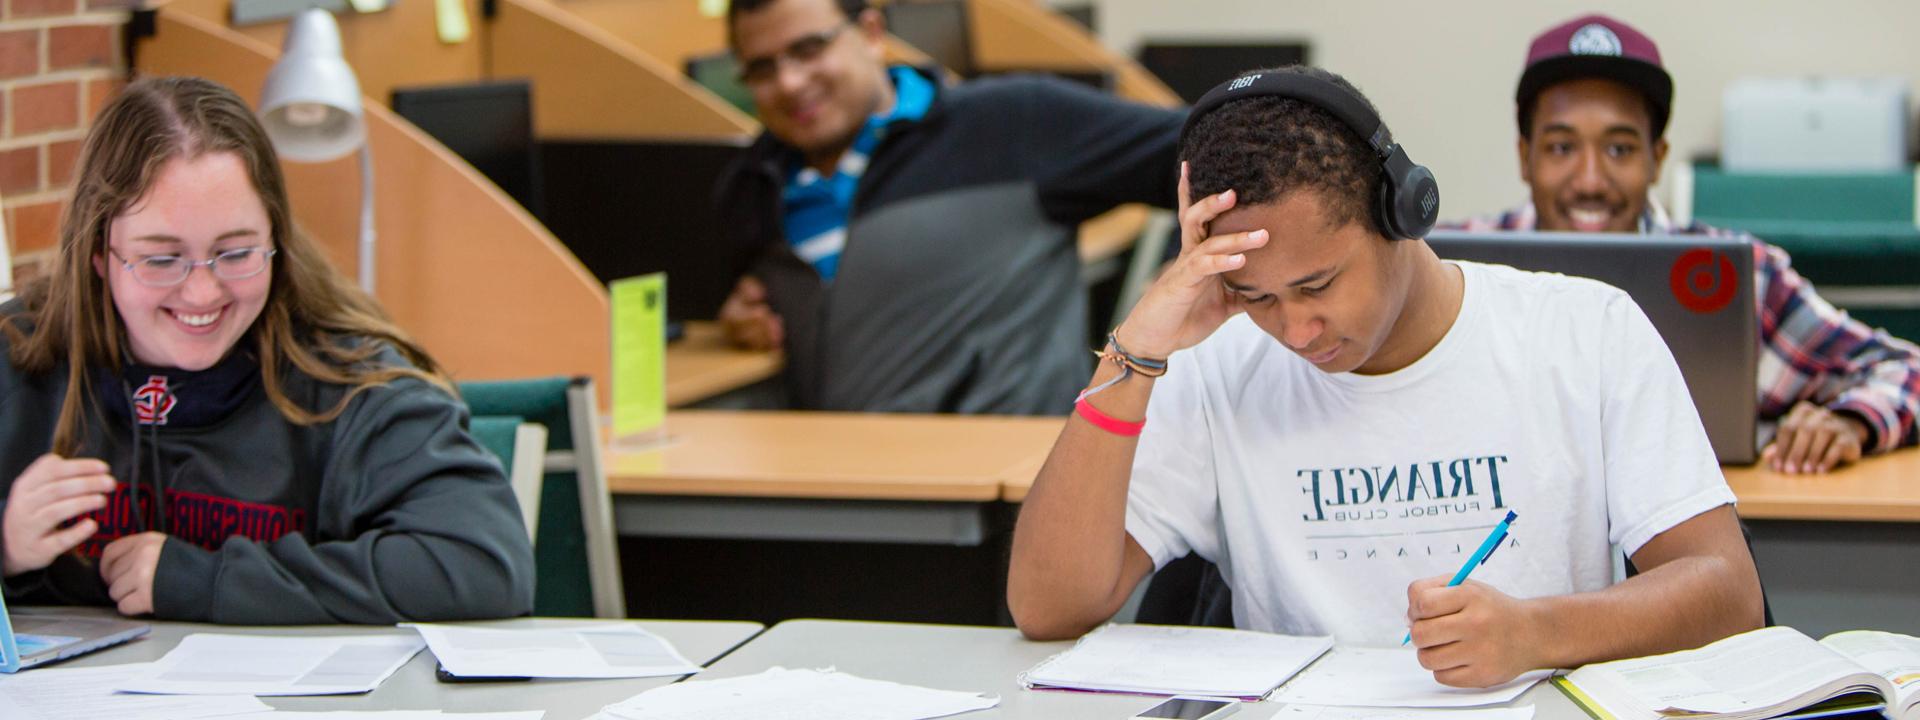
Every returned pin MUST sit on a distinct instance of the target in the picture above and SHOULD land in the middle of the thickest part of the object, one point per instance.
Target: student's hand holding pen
(49, 493)
(1188, 302)
(1472, 635)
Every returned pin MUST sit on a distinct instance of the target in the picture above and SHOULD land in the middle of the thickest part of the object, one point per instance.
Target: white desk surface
(975, 659)
(413, 687)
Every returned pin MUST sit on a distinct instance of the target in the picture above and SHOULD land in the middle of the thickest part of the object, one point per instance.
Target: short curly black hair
(1266, 148)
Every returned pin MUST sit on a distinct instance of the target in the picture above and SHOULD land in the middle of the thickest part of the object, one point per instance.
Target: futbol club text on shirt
(1413, 490)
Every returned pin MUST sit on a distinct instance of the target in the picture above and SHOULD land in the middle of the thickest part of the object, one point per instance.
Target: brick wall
(59, 62)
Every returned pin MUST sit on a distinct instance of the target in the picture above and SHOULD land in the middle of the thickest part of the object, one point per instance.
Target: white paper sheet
(390, 715)
(1383, 677)
(216, 664)
(1165, 660)
(1329, 712)
(781, 694)
(88, 694)
(600, 650)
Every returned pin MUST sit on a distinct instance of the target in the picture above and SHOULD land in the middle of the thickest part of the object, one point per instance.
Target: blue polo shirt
(817, 207)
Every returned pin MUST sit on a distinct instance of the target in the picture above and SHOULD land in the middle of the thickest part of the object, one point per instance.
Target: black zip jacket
(959, 285)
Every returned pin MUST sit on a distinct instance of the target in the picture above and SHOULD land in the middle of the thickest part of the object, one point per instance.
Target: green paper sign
(639, 355)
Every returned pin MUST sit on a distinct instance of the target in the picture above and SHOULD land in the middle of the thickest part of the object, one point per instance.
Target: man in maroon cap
(1592, 107)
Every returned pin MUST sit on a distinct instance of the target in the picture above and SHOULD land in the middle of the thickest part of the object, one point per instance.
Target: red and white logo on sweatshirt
(152, 402)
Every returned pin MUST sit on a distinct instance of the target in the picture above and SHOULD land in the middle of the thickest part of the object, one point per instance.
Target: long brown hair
(314, 320)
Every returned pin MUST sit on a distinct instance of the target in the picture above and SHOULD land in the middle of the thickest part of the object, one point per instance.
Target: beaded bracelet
(1128, 364)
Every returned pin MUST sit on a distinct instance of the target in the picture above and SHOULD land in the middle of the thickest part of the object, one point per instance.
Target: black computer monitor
(487, 124)
(490, 125)
(1192, 69)
(630, 207)
(938, 28)
(719, 73)
(1085, 15)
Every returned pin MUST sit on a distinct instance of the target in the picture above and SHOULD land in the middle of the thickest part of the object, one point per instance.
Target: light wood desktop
(702, 364)
(413, 687)
(834, 456)
(1884, 488)
(935, 457)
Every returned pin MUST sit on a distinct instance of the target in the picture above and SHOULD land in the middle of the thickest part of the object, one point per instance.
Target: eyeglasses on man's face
(761, 70)
(171, 270)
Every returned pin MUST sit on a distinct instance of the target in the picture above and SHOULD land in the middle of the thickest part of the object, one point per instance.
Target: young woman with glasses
(200, 420)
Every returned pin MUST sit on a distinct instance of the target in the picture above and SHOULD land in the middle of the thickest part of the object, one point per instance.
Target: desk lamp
(310, 107)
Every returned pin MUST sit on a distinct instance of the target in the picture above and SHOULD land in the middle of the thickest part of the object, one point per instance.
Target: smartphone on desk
(1179, 708)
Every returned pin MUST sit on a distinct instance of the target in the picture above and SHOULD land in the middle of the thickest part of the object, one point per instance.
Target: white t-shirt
(1322, 496)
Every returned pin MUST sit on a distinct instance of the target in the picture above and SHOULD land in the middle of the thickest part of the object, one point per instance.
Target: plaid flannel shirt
(1812, 351)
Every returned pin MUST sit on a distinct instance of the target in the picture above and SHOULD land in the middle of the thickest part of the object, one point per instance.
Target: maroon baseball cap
(1596, 46)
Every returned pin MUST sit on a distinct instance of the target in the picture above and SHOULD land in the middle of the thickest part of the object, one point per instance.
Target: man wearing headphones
(1592, 106)
(1313, 400)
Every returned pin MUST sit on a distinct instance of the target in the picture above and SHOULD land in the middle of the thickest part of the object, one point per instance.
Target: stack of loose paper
(1298, 711)
(1163, 660)
(215, 664)
(794, 695)
(599, 650)
(1381, 677)
(88, 694)
(390, 715)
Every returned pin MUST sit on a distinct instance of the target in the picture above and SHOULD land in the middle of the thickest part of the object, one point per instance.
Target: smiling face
(1333, 294)
(823, 74)
(197, 208)
(1590, 156)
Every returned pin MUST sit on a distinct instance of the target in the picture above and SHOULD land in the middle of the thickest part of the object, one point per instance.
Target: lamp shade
(310, 106)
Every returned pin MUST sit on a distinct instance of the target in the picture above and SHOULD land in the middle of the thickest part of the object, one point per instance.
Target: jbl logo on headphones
(1239, 83)
(1427, 203)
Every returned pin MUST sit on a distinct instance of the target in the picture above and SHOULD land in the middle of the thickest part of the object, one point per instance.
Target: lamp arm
(366, 216)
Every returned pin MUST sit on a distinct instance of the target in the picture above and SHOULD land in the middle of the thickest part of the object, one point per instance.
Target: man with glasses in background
(912, 245)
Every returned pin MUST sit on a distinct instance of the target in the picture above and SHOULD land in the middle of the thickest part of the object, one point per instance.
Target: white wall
(1443, 72)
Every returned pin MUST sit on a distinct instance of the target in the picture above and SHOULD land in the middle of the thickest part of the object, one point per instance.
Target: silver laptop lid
(32, 638)
(1697, 290)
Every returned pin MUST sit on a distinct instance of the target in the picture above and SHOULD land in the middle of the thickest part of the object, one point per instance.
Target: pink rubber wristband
(1101, 420)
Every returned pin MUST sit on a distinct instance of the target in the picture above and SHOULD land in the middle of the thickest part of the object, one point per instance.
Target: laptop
(1697, 290)
(35, 639)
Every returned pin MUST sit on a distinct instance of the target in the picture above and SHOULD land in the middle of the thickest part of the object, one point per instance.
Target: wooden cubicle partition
(1026, 35)
(674, 31)
(395, 47)
(462, 268)
(589, 83)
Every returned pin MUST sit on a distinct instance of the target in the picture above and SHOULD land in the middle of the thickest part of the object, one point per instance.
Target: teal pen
(1479, 556)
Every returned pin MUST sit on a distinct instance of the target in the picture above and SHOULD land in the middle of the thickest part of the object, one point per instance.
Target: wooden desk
(1878, 489)
(842, 456)
(413, 687)
(703, 364)
(1109, 235)
(837, 477)
(1824, 544)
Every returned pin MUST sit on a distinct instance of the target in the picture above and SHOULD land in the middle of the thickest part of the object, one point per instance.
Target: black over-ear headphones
(1409, 200)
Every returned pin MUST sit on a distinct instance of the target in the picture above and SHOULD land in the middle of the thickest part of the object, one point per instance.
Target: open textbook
(1766, 673)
